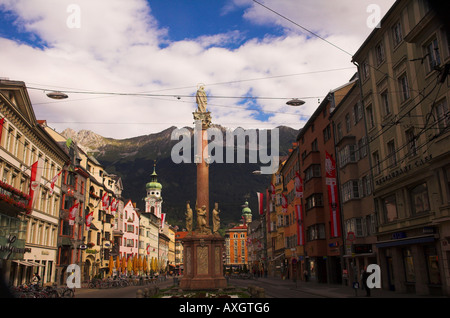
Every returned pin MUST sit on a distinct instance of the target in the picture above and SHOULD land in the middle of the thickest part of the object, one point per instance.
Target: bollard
(139, 294)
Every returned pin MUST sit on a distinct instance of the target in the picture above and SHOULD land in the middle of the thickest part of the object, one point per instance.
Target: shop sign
(398, 235)
(398, 172)
(12, 248)
(362, 248)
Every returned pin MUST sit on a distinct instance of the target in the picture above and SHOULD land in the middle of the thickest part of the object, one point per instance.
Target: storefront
(411, 263)
(12, 250)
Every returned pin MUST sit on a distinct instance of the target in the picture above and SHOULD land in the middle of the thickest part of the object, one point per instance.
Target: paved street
(279, 288)
(274, 288)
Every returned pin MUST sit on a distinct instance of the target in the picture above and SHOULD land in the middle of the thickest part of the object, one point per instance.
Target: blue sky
(167, 48)
(192, 19)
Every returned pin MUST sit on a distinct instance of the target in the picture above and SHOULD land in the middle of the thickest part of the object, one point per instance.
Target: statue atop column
(201, 113)
(201, 99)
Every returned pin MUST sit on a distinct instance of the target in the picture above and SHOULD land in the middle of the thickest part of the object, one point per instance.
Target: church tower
(153, 200)
(247, 213)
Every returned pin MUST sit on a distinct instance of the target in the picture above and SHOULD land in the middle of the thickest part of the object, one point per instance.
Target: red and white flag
(284, 203)
(105, 201)
(273, 191)
(35, 181)
(298, 185)
(163, 218)
(260, 202)
(300, 228)
(73, 213)
(330, 180)
(2, 122)
(52, 184)
(114, 204)
(89, 218)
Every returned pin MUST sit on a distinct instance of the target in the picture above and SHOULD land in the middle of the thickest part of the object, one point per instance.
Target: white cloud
(120, 48)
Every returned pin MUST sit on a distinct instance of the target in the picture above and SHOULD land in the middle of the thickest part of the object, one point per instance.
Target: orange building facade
(236, 248)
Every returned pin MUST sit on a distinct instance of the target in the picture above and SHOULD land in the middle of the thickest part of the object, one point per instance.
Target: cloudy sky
(132, 67)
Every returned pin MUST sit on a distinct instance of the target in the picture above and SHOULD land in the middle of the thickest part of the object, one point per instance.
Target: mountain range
(133, 159)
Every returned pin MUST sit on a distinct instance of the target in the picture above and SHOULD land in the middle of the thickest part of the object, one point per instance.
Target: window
(357, 226)
(130, 228)
(392, 158)
(404, 87)
(385, 103)
(348, 125)
(431, 50)
(348, 154)
(362, 146)
(367, 186)
(397, 35)
(327, 134)
(370, 118)
(66, 229)
(390, 208)
(313, 171)
(432, 259)
(314, 146)
(313, 201)
(411, 140)
(442, 115)
(365, 70)
(350, 190)
(379, 53)
(376, 162)
(316, 232)
(68, 202)
(338, 132)
(408, 263)
(357, 113)
(419, 199)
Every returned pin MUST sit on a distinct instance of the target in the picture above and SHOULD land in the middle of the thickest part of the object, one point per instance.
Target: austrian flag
(105, 201)
(89, 218)
(284, 203)
(73, 213)
(260, 203)
(35, 181)
(52, 184)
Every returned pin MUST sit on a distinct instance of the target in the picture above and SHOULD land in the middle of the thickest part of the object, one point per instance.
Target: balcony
(13, 199)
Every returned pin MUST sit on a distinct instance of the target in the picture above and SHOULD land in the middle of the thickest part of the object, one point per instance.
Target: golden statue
(189, 217)
(216, 219)
(201, 99)
(202, 227)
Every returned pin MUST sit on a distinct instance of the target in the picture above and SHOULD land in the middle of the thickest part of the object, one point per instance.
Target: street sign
(351, 236)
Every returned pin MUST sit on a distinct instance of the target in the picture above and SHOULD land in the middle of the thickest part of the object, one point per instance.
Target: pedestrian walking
(364, 277)
(35, 280)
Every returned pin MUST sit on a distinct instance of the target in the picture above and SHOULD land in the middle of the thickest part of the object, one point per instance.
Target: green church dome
(154, 184)
(246, 210)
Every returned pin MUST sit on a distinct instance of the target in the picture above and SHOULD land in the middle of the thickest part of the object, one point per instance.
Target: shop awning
(28, 263)
(35, 264)
(406, 241)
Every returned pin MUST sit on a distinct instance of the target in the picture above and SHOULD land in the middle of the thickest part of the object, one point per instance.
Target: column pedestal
(203, 269)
